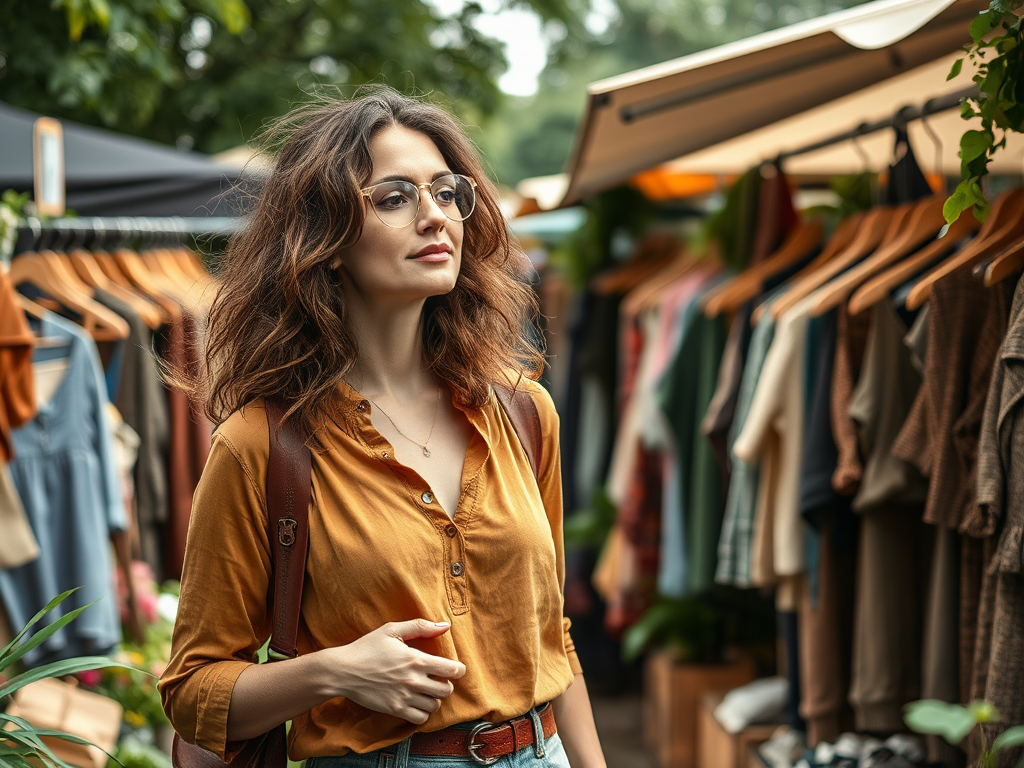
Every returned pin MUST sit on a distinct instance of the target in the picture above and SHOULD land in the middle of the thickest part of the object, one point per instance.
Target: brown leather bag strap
(288, 495)
(522, 412)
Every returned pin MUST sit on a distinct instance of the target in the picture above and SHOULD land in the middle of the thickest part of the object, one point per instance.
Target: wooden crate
(672, 694)
(719, 749)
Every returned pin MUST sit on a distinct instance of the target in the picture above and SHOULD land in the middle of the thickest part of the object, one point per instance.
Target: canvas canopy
(110, 174)
(642, 119)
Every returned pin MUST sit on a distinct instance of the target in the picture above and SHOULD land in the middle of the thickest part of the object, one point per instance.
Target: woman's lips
(433, 253)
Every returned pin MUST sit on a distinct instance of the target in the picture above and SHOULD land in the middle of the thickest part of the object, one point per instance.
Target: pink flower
(90, 678)
(145, 592)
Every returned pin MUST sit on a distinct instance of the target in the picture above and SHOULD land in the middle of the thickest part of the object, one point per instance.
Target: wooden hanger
(872, 233)
(38, 311)
(1005, 223)
(650, 255)
(131, 265)
(880, 286)
(922, 225)
(1007, 264)
(804, 238)
(85, 264)
(648, 293)
(29, 307)
(836, 244)
(101, 323)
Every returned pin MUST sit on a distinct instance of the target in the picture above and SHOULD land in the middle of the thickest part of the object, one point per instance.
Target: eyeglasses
(397, 203)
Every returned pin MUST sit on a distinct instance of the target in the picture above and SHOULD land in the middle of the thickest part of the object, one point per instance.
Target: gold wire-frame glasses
(397, 203)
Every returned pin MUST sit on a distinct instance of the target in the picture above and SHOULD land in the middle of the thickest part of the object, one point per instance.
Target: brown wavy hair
(277, 327)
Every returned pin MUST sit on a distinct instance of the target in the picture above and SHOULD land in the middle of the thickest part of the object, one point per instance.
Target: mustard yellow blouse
(380, 550)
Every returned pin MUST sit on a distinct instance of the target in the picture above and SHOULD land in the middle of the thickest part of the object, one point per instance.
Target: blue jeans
(550, 755)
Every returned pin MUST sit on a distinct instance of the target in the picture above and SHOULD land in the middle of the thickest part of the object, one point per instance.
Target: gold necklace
(422, 446)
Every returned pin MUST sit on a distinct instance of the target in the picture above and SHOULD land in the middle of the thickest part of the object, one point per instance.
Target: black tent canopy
(110, 174)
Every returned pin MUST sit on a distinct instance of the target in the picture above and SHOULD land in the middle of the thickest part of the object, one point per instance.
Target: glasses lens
(395, 203)
(454, 195)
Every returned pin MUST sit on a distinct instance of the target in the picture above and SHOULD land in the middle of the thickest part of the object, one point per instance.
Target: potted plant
(23, 745)
(694, 644)
(954, 723)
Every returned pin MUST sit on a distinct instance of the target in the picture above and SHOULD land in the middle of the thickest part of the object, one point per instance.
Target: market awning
(641, 119)
(935, 139)
(110, 174)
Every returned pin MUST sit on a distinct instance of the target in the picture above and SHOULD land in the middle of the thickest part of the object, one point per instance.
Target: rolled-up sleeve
(222, 617)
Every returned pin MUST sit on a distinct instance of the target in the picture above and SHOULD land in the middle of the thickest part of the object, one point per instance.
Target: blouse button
(385, 455)
(457, 569)
(450, 531)
(427, 497)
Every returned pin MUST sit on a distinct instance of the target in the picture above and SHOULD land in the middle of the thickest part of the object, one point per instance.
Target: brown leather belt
(486, 742)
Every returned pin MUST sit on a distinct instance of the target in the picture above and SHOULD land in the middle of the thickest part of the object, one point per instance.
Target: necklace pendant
(426, 452)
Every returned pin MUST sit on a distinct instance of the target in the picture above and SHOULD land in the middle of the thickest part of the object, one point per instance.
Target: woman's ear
(335, 262)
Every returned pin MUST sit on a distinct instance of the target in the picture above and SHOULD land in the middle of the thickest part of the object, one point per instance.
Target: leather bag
(53, 704)
(289, 481)
(289, 485)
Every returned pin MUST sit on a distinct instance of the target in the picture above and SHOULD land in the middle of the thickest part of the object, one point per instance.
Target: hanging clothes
(142, 402)
(736, 542)
(999, 656)
(188, 443)
(65, 475)
(894, 545)
(17, 387)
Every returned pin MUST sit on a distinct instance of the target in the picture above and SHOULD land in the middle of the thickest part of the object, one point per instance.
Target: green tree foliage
(533, 136)
(998, 58)
(207, 73)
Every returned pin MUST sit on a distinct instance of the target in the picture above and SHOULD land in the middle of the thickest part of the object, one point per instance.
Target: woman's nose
(430, 213)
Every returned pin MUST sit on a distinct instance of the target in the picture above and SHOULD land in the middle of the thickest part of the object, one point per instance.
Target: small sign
(48, 166)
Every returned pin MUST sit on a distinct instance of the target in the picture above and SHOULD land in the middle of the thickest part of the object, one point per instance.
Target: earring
(335, 262)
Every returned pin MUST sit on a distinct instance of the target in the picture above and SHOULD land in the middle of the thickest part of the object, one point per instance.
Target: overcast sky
(525, 44)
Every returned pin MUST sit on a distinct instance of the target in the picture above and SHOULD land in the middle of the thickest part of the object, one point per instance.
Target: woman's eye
(445, 196)
(392, 201)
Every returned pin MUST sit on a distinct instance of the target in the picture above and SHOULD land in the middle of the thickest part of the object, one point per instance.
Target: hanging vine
(998, 56)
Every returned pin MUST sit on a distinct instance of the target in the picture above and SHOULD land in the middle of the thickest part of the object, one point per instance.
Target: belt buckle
(477, 730)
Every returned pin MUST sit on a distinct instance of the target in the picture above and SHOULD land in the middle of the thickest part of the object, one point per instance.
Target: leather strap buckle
(473, 747)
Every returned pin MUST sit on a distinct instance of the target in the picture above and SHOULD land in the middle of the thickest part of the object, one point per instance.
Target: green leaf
(234, 14)
(59, 669)
(1014, 737)
(1003, 7)
(49, 607)
(41, 636)
(653, 621)
(954, 72)
(982, 25)
(951, 721)
(974, 144)
(101, 13)
(27, 736)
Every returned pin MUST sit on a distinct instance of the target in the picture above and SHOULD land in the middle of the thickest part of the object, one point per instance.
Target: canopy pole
(902, 117)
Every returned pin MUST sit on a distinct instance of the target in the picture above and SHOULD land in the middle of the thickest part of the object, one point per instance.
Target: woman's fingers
(439, 666)
(438, 689)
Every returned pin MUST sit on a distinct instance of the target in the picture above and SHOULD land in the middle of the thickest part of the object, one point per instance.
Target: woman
(377, 293)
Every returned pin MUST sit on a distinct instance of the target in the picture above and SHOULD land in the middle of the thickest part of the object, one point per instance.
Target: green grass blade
(26, 736)
(6, 751)
(59, 669)
(49, 607)
(44, 634)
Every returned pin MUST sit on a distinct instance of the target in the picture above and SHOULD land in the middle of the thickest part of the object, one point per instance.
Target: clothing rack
(901, 118)
(102, 230)
(138, 225)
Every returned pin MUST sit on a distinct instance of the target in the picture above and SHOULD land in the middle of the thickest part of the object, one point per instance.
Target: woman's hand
(380, 672)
